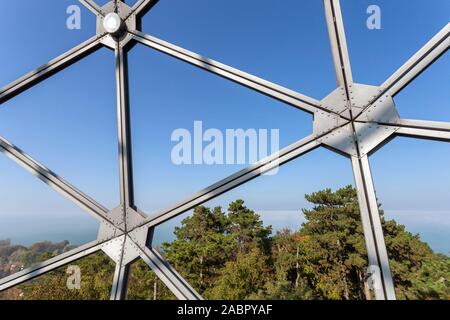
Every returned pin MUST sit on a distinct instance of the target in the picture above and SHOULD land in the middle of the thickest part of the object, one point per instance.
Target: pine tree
(247, 228)
(243, 277)
(202, 247)
(335, 249)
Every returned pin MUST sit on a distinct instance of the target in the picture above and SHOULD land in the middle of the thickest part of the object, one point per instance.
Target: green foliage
(96, 279)
(209, 240)
(289, 278)
(232, 255)
(242, 277)
(418, 272)
(431, 281)
(333, 244)
(143, 284)
(202, 247)
(247, 228)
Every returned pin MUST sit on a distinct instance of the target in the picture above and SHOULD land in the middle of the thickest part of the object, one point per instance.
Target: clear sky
(68, 122)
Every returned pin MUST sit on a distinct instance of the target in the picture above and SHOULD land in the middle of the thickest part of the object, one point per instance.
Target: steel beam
(422, 129)
(424, 133)
(123, 123)
(421, 60)
(48, 69)
(417, 124)
(54, 181)
(272, 90)
(49, 265)
(338, 43)
(121, 275)
(120, 282)
(412, 68)
(92, 6)
(373, 232)
(424, 124)
(169, 276)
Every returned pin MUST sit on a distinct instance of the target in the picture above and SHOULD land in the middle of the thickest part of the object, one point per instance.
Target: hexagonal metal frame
(354, 120)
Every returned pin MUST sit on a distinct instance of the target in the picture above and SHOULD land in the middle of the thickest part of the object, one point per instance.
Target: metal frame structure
(354, 120)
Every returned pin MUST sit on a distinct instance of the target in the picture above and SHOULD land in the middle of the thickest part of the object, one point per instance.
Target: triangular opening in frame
(285, 43)
(192, 128)
(36, 221)
(68, 123)
(383, 35)
(412, 183)
(45, 30)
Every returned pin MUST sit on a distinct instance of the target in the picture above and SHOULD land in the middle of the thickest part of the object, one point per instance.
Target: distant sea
(432, 228)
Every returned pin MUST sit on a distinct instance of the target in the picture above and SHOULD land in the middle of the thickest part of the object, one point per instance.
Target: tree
(416, 269)
(143, 284)
(247, 228)
(334, 244)
(335, 251)
(289, 278)
(243, 277)
(432, 280)
(209, 240)
(201, 248)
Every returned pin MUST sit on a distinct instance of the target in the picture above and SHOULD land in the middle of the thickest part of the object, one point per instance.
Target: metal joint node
(116, 23)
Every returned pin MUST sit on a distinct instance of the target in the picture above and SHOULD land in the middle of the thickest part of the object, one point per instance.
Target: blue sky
(68, 122)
